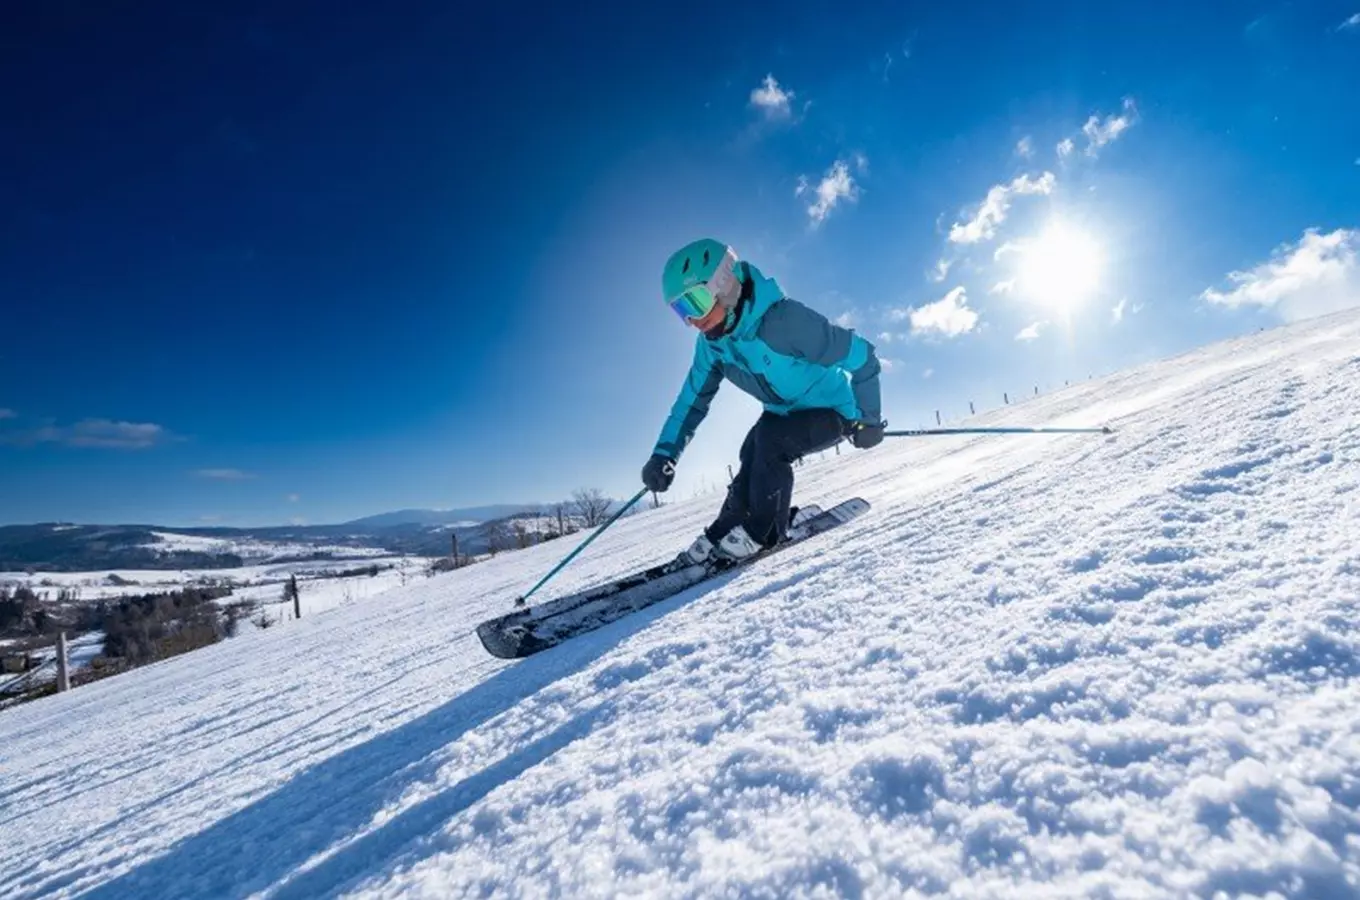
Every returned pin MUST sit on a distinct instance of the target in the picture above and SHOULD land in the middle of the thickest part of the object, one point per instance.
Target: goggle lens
(694, 303)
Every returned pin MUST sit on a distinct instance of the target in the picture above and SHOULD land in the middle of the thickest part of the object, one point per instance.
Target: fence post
(937, 417)
(730, 476)
(1036, 390)
(63, 672)
(297, 596)
(1007, 397)
(971, 411)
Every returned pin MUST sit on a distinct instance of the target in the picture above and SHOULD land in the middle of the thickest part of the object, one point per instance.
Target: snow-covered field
(318, 592)
(250, 550)
(1076, 666)
(248, 580)
(320, 588)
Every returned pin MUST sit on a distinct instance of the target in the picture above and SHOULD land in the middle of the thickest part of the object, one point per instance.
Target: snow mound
(1040, 667)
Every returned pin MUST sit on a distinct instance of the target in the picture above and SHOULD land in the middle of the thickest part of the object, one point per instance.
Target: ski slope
(1059, 666)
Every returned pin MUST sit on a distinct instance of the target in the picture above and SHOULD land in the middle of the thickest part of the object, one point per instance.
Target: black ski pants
(759, 496)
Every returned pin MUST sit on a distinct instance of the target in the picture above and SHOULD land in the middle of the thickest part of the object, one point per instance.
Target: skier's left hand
(866, 434)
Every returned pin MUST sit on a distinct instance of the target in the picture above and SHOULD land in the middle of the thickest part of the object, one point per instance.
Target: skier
(817, 381)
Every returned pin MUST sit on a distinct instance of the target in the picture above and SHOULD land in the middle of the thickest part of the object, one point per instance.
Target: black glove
(866, 434)
(658, 473)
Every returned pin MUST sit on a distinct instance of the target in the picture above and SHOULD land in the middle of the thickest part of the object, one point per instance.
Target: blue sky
(261, 265)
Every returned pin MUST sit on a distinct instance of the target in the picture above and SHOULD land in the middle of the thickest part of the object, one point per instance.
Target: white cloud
(1003, 287)
(293, 498)
(1100, 132)
(941, 271)
(1352, 22)
(888, 365)
(8, 414)
(995, 207)
(1318, 275)
(1024, 148)
(1029, 333)
(949, 317)
(1007, 247)
(846, 319)
(1119, 309)
(927, 373)
(835, 186)
(1066, 148)
(771, 99)
(884, 337)
(96, 433)
(223, 474)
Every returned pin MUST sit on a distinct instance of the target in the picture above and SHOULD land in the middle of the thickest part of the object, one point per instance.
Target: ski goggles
(698, 300)
(694, 302)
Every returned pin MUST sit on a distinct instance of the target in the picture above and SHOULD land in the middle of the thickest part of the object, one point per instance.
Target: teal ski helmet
(697, 276)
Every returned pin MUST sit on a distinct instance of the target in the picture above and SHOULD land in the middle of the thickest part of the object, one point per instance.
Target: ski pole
(520, 601)
(921, 432)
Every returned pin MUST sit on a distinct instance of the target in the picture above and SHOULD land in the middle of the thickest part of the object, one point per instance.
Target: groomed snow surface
(1075, 666)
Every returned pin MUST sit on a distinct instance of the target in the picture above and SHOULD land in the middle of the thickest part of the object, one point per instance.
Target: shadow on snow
(259, 847)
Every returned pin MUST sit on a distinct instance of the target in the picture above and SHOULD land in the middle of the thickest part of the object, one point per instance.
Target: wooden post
(63, 672)
(297, 596)
(1007, 397)
(971, 411)
(1036, 390)
(730, 476)
(937, 417)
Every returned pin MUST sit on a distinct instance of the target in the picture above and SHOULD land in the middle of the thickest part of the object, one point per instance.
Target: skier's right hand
(658, 473)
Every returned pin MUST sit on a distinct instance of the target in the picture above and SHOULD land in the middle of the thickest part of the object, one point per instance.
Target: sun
(1060, 268)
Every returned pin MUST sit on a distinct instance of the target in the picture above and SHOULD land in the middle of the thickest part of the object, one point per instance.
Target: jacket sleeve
(792, 329)
(691, 406)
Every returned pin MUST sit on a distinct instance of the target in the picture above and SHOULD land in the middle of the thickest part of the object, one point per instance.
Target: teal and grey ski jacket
(787, 356)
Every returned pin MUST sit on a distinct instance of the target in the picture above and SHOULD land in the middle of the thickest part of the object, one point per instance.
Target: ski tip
(497, 642)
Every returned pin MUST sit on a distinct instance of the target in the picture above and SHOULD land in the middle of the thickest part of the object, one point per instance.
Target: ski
(525, 632)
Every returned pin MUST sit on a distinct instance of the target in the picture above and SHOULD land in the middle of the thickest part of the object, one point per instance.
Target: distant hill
(60, 547)
(472, 514)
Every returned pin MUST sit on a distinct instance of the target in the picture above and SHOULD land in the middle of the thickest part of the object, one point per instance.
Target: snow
(1057, 666)
(319, 594)
(249, 549)
(249, 581)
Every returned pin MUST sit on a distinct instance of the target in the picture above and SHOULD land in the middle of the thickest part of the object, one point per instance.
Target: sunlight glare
(1061, 267)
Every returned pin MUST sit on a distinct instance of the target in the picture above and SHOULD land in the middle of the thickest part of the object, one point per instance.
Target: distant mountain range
(60, 547)
(474, 514)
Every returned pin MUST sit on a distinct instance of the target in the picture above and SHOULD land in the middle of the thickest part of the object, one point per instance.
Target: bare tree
(592, 506)
(565, 523)
(498, 537)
